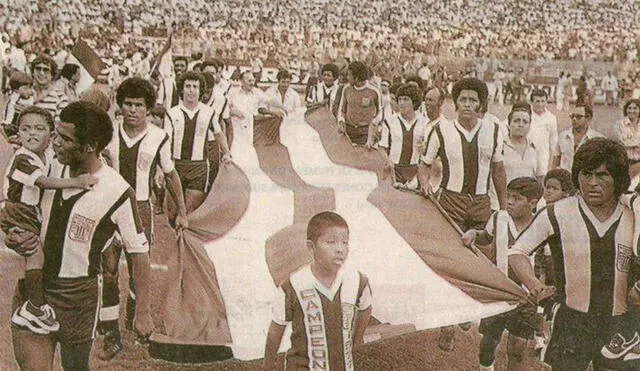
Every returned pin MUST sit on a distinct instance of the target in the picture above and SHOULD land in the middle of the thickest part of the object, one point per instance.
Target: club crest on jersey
(624, 258)
(80, 228)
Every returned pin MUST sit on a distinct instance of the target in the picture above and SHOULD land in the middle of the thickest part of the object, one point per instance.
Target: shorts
(357, 134)
(405, 173)
(521, 322)
(468, 211)
(577, 338)
(76, 304)
(193, 174)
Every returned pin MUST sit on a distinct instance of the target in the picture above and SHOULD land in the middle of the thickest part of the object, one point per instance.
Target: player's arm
(373, 125)
(362, 320)
(84, 181)
(220, 137)
(274, 337)
(128, 223)
(426, 161)
(499, 177)
(384, 145)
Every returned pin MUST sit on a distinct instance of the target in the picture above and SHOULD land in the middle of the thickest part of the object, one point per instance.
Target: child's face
(156, 120)
(331, 249)
(553, 191)
(518, 206)
(34, 133)
(25, 91)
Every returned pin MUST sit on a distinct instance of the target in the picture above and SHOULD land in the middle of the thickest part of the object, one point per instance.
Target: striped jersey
(322, 318)
(591, 258)
(403, 140)
(467, 156)
(137, 159)
(321, 92)
(25, 167)
(77, 224)
(189, 131)
(54, 100)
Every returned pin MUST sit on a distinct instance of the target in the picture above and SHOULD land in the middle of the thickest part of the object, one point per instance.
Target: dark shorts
(357, 134)
(577, 339)
(468, 211)
(193, 174)
(520, 322)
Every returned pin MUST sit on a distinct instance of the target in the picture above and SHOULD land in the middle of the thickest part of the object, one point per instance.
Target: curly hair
(601, 151)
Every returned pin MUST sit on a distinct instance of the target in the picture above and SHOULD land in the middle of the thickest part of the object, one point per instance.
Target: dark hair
(181, 58)
(158, 110)
(538, 93)
(68, 70)
(19, 79)
(416, 79)
(37, 111)
(136, 87)
(408, 90)
(519, 106)
(209, 82)
(335, 72)
(563, 176)
(208, 63)
(588, 112)
(44, 59)
(470, 83)
(283, 74)
(321, 221)
(358, 70)
(193, 76)
(601, 151)
(628, 103)
(92, 125)
(526, 186)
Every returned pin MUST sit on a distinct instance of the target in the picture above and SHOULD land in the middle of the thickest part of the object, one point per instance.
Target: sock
(33, 287)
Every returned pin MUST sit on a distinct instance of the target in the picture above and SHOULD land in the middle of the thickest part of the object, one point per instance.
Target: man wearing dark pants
(76, 226)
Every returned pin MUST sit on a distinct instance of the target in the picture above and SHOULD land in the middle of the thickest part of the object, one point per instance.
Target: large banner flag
(250, 235)
(91, 65)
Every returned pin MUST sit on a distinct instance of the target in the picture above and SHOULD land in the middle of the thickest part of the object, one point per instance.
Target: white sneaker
(40, 324)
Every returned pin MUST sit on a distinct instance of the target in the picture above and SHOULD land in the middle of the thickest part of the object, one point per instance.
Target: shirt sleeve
(534, 236)
(490, 227)
(25, 172)
(128, 222)
(166, 161)
(385, 141)
(278, 308)
(432, 148)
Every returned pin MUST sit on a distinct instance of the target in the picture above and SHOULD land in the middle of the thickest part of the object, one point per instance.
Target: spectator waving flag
(163, 62)
(91, 65)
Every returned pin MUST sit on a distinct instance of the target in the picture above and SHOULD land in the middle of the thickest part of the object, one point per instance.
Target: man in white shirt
(544, 128)
(282, 96)
(610, 86)
(571, 139)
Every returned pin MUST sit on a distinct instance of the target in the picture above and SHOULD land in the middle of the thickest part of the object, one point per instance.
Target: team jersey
(591, 259)
(189, 131)
(403, 140)
(467, 156)
(136, 159)
(78, 225)
(322, 318)
(25, 167)
(360, 106)
(321, 92)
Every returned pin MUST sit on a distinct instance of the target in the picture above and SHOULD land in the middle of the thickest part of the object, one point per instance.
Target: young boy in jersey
(21, 96)
(24, 179)
(329, 306)
(504, 226)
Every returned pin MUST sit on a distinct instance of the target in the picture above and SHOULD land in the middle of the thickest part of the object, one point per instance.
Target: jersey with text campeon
(591, 259)
(77, 224)
(322, 318)
(136, 159)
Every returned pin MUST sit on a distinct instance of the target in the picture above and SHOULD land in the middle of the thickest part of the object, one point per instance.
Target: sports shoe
(633, 354)
(619, 346)
(43, 322)
(112, 345)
